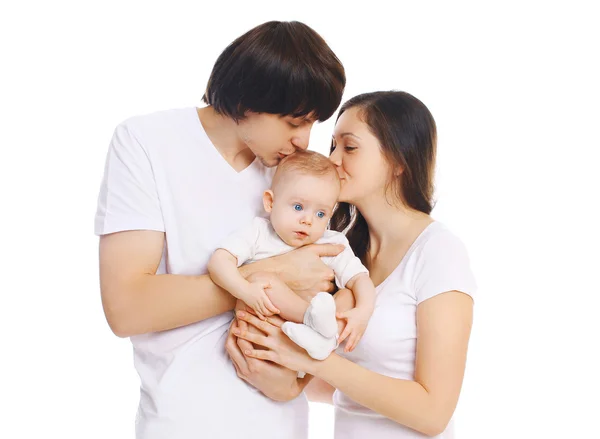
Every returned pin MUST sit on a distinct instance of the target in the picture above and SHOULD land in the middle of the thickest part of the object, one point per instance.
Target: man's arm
(136, 300)
(222, 268)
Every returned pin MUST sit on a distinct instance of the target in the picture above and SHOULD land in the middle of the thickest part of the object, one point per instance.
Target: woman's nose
(336, 157)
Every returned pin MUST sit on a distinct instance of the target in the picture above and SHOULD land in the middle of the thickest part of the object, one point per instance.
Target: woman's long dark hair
(407, 135)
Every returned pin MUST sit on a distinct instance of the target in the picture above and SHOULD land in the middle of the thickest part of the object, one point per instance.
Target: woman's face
(357, 155)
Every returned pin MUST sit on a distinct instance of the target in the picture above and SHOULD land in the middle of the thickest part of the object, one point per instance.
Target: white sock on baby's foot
(317, 346)
(320, 315)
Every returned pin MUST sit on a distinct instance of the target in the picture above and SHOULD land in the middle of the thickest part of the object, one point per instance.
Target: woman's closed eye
(347, 148)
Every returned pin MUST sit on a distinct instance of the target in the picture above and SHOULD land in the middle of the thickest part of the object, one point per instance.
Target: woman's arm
(319, 391)
(426, 404)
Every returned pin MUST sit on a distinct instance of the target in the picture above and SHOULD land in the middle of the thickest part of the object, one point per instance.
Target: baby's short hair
(306, 163)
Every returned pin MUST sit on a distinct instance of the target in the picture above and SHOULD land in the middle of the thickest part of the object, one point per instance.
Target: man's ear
(268, 200)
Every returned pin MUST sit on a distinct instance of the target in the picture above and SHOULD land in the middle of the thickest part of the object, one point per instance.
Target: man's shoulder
(159, 120)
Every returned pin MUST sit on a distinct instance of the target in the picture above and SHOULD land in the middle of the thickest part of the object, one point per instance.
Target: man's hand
(304, 271)
(274, 381)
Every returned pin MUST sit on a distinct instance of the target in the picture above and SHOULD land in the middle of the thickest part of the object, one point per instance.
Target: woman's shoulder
(438, 238)
(441, 263)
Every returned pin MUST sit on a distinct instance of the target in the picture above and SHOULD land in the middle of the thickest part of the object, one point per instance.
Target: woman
(403, 379)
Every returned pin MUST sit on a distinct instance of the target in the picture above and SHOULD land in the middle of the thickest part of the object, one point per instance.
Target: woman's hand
(274, 381)
(280, 349)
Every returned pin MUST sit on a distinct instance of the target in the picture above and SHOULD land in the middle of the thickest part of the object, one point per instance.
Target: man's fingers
(241, 325)
(244, 345)
(236, 355)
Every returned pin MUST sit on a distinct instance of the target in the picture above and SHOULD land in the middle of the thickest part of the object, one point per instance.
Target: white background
(513, 87)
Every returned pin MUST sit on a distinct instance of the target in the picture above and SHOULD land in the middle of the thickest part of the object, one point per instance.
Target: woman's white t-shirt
(437, 262)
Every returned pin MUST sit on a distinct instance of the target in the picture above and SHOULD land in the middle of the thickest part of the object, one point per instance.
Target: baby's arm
(223, 271)
(357, 318)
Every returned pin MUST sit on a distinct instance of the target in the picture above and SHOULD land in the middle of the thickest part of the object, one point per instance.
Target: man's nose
(302, 137)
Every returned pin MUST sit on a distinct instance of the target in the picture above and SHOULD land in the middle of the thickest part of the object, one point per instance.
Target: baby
(300, 202)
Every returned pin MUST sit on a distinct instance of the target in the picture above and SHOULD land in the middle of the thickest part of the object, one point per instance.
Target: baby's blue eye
(298, 207)
(321, 214)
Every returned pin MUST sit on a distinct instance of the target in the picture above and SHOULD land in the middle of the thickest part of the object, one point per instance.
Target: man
(176, 183)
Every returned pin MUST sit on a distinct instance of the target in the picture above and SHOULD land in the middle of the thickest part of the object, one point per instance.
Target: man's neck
(223, 133)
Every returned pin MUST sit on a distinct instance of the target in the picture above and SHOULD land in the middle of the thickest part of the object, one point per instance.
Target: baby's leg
(292, 307)
(319, 314)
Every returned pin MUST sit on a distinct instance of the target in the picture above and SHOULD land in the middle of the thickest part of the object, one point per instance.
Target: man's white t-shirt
(437, 262)
(163, 173)
(258, 240)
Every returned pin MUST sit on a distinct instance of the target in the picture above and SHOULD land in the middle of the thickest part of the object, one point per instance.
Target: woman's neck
(392, 225)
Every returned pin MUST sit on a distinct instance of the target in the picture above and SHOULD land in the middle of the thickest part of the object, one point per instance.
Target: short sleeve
(128, 198)
(243, 242)
(346, 265)
(443, 265)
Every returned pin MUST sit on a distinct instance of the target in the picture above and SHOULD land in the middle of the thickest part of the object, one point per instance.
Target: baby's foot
(320, 315)
(317, 346)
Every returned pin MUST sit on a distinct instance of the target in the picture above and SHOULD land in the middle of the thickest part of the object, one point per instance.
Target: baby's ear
(268, 200)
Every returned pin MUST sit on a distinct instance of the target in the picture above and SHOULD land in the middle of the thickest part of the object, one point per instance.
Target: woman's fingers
(266, 327)
(262, 355)
(275, 321)
(253, 338)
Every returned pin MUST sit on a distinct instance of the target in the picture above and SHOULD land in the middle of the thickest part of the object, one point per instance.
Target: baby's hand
(256, 298)
(357, 320)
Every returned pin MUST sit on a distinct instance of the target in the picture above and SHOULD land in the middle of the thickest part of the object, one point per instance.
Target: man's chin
(269, 163)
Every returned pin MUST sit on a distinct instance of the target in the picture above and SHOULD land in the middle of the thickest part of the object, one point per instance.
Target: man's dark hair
(278, 67)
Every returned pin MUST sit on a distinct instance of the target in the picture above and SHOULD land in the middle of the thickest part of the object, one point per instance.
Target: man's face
(271, 137)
